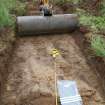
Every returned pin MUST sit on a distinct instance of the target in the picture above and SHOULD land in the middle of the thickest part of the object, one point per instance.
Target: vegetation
(4, 14)
(98, 45)
(102, 8)
(62, 2)
(96, 24)
(7, 9)
(19, 8)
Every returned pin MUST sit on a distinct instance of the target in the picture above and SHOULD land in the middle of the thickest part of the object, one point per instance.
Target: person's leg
(41, 2)
(47, 12)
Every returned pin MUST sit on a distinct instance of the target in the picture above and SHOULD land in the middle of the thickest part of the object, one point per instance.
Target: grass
(98, 45)
(4, 14)
(6, 11)
(96, 23)
(102, 8)
(19, 9)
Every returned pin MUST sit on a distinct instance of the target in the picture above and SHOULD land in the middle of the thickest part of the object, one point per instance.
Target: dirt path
(32, 71)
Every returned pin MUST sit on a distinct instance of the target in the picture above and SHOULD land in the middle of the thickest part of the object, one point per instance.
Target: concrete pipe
(33, 25)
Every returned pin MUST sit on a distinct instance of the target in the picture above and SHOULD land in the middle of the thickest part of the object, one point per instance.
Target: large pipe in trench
(33, 25)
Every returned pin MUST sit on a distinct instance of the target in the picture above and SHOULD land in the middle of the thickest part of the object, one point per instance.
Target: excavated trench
(30, 79)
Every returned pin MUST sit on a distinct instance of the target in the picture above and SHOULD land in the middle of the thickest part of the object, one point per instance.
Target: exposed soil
(31, 70)
(6, 41)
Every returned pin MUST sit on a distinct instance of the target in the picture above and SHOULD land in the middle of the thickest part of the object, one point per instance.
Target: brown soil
(6, 41)
(31, 71)
(30, 79)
